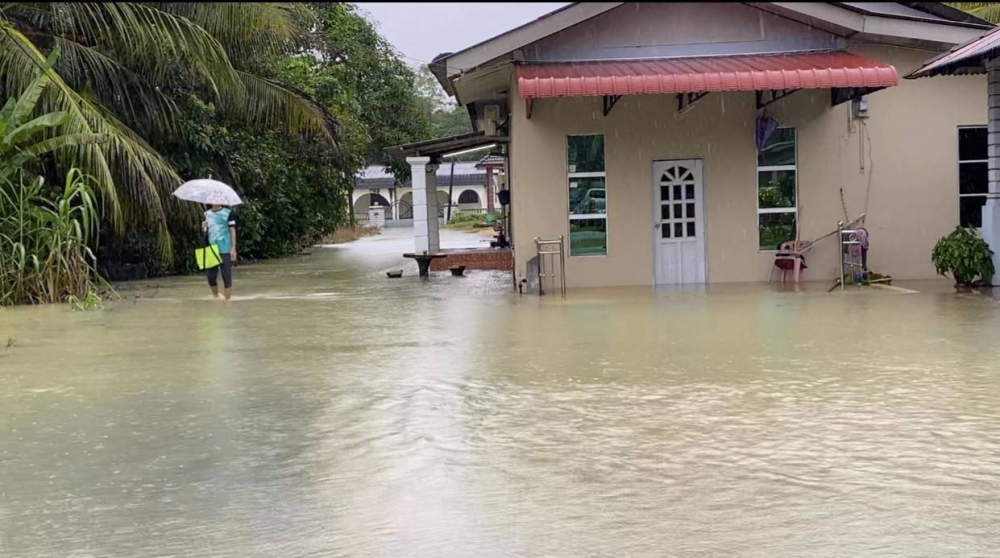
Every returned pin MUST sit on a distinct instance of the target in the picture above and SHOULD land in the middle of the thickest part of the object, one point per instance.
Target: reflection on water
(329, 411)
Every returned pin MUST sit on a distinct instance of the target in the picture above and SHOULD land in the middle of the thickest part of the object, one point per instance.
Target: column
(991, 211)
(489, 188)
(423, 176)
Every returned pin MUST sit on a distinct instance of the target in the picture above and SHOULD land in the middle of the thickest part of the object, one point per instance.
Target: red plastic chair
(791, 257)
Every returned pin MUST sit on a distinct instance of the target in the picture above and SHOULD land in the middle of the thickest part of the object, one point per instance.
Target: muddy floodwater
(329, 411)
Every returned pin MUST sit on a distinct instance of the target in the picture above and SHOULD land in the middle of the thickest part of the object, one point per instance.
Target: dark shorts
(227, 273)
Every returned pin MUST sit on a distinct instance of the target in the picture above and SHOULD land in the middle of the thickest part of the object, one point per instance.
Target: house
(473, 188)
(632, 130)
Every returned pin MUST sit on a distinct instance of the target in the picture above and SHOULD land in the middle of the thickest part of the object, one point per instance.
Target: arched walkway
(364, 202)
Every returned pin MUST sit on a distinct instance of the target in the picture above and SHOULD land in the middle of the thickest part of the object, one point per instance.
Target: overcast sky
(421, 31)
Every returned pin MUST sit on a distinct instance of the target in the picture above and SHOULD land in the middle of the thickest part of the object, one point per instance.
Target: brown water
(329, 411)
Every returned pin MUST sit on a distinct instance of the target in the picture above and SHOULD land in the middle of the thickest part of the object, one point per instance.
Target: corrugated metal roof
(818, 70)
(490, 161)
(966, 58)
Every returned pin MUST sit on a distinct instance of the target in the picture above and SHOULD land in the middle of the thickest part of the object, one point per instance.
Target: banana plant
(24, 137)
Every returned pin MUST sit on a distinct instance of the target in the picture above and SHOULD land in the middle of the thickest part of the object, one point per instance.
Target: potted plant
(965, 256)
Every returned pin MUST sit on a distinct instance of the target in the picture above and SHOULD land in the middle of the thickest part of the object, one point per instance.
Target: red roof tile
(818, 70)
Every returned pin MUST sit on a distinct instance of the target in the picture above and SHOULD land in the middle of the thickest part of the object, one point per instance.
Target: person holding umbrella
(219, 226)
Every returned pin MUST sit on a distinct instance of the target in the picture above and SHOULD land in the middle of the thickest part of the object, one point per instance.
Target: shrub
(467, 220)
(964, 255)
(44, 253)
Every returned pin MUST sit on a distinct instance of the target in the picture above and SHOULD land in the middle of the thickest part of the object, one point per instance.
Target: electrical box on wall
(860, 108)
(491, 116)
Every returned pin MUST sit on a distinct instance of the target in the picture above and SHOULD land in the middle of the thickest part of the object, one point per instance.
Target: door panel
(678, 222)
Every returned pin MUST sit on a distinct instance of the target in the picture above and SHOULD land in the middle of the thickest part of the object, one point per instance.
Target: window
(588, 213)
(973, 175)
(776, 190)
(468, 196)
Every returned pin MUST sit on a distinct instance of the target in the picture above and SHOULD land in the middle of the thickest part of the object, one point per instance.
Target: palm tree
(990, 11)
(117, 64)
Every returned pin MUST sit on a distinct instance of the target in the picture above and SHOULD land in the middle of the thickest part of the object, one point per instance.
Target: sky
(421, 31)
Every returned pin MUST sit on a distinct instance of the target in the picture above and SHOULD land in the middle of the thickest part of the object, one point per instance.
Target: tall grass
(45, 253)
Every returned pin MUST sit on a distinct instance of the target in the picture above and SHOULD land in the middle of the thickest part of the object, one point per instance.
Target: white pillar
(425, 207)
(991, 211)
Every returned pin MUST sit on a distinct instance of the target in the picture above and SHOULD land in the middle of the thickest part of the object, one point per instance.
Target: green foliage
(44, 244)
(470, 220)
(367, 83)
(451, 121)
(123, 67)
(779, 191)
(246, 93)
(467, 218)
(964, 255)
(990, 11)
(91, 302)
(24, 137)
(293, 192)
(446, 118)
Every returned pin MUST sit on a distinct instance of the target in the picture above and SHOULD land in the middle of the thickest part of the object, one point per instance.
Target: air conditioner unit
(491, 117)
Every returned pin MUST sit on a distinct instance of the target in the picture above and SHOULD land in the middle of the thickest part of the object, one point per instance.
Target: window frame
(570, 176)
(794, 210)
(986, 161)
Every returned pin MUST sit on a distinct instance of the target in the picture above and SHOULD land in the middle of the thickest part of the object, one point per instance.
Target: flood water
(329, 411)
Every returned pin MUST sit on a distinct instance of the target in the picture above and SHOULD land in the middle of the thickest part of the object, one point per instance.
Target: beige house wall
(913, 198)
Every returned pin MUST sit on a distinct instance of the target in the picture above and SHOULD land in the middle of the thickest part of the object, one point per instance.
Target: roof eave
(434, 148)
(942, 9)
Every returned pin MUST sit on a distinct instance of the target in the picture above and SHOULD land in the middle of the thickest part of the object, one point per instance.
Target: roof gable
(636, 31)
(909, 21)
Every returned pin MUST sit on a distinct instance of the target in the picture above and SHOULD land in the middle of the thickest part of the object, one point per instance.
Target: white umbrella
(207, 191)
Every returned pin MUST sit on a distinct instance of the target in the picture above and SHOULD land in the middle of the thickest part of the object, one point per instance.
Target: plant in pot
(965, 256)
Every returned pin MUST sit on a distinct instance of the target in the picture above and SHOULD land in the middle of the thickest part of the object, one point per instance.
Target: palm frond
(149, 41)
(115, 85)
(121, 64)
(123, 158)
(247, 30)
(60, 142)
(990, 11)
(273, 104)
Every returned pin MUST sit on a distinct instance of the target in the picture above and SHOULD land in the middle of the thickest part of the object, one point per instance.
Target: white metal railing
(850, 253)
(552, 249)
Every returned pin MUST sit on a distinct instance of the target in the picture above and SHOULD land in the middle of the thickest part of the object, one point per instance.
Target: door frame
(699, 164)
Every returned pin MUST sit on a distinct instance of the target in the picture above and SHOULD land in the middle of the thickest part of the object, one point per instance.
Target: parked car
(594, 201)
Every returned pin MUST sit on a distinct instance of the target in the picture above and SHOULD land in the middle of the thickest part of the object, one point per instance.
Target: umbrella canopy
(207, 191)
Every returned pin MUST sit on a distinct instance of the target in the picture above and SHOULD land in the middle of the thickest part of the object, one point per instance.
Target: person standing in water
(220, 223)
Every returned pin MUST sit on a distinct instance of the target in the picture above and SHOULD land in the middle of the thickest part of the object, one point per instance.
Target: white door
(678, 222)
